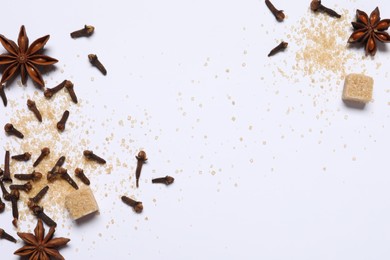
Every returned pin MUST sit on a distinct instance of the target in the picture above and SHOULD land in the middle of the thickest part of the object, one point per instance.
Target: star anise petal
(23, 40)
(9, 72)
(54, 253)
(357, 36)
(34, 73)
(362, 17)
(371, 46)
(383, 25)
(23, 73)
(9, 45)
(6, 59)
(28, 238)
(375, 17)
(39, 231)
(49, 235)
(42, 60)
(25, 251)
(382, 36)
(37, 45)
(358, 26)
(56, 242)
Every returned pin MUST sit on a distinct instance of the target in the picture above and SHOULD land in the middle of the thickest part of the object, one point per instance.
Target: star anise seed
(24, 58)
(369, 30)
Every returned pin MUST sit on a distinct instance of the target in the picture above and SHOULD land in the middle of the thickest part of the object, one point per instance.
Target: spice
(58, 164)
(24, 58)
(7, 172)
(69, 86)
(5, 235)
(44, 152)
(93, 157)
(24, 187)
(24, 157)
(37, 198)
(136, 205)
(2, 206)
(167, 180)
(316, 5)
(63, 173)
(38, 211)
(84, 32)
(141, 159)
(34, 176)
(33, 107)
(62, 122)
(280, 47)
(11, 130)
(369, 29)
(79, 173)
(6, 194)
(3, 96)
(279, 15)
(49, 92)
(39, 245)
(14, 202)
(93, 59)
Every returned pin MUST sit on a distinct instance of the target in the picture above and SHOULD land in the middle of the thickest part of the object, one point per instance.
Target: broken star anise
(39, 246)
(368, 30)
(24, 58)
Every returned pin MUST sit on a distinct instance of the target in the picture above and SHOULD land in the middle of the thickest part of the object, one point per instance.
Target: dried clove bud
(38, 211)
(49, 92)
(85, 32)
(33, 107)
(93, 59)
(24, 187)
(6, 194)
(136, 205)
(14, 201)
(63, 173)
(37, 198)
(24, 157)
(3, 96)
(5, 235)
(7, 172)
(44, 152)
(167, 180)
(79, 173)
(11, 130)
(141, 159)
(69, 86)
(2, 206)
(280, 47)
(93, 157)
(58, 164)
(62, 122)
(34, 176)
(279, 15)
(316, 5)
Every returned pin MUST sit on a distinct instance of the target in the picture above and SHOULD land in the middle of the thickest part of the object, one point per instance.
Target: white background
(252, 181)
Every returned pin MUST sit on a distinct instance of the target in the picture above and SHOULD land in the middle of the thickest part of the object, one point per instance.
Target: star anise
(369, 29)
(24, 58)
(39, 246)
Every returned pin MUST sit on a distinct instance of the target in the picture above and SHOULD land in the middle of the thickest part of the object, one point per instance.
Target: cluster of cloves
(67, 84)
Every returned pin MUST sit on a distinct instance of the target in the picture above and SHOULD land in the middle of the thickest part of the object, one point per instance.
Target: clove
(6, 194)
(93, 157)
(136, 205)
(141, 159)
(24, 157)
(14, 201)
(316, 5)
(58, 164)
(33, 107)
(280, 47)
(38, 211)
(11, 130)
(69, 86)
(7, 172)
(44, 152)
(34, 176)
(85, 32)
(49, 92)
(37, 198)
(6, 236)
(24, 187)
(79, 173)
(2, 206)
(63, 173)
(62, 122)
(167, 180)
(93, 59)
(3, 96)
(279, 15)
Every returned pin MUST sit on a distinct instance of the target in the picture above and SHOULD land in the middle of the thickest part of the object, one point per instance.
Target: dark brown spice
(14, 202)
(24, 157)
(24, 187)
(37, 198)
(141, 159)
(167, 180)
(49, 92)
(3, 96)
(280, 47)
(316, 5)
(279, 15)
(84, 32)
(136, 205)
(33, 107)
(70, 87)
(79, 173)
(62, 122)
(38, 211)
(11, 130)
(2, 206)
(44, 152)
(6, 194)
(58, 164)
(63, 173)
(7, 172)
(6, 236)
(93, 157)
(34, 176)
(93, 59)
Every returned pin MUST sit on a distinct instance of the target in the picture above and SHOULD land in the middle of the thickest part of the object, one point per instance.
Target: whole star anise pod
(24, 58)
(39, 246)
(369, 29)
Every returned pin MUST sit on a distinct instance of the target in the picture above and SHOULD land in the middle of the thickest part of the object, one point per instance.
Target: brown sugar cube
(81, 203)
(358, 88)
